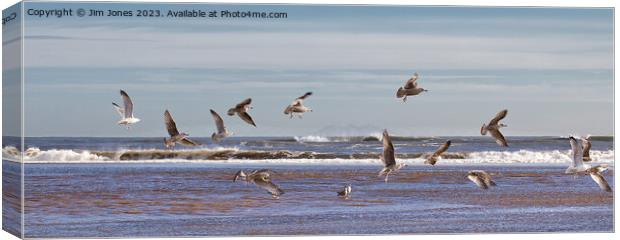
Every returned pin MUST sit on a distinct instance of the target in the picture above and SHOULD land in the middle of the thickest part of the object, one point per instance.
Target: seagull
(433, 158)
(585, 142)
(242, 111)
(410, 88)
(297, 106)
(481, 178)
(388, 157)
(346, 192)
(175, 136)
(595, 173)
(126, 113)
(577, 165)
(262, 179)
(221, 129)
(493, 127)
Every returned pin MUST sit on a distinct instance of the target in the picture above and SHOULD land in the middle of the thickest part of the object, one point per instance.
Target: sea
(134, 187)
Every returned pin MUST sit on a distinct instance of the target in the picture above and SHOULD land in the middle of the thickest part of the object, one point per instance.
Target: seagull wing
(170, 125)
(244, 103)
(442, 148)
(478, 180)
(411, 83)
(189, 142)
(263, 173)
(247, 118)
(304, 96)
(119, 110)
(499, 116)
(343, 192)
(269, 186)
(486, 177)
(586, 149)
(499, 138)
(600, 180)
(218, 122)
(238, 175)
(388, 150)
(577, 153)
(128, 105)
(288, 109)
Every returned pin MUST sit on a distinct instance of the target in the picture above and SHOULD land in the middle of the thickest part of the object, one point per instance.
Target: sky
(552, 68)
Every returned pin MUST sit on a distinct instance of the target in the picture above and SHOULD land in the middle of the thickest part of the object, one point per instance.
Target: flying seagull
(241, 110)
(577, 165)
(222, 132)
(297, 106)
(481, 178)
(586, 144)
(433, 158)
(410, 88)
(493, 127)
(389, 161)
(175, 136)
(595, 173)
(262, 179)
(126, 113)
(346, 192)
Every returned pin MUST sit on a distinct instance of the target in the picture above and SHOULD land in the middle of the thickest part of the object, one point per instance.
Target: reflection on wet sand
(201, 199)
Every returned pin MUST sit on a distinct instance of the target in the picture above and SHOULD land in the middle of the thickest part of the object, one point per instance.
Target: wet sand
(121, 200)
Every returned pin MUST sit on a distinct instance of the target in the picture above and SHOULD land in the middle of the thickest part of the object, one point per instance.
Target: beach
(117, 187)
(119, 200)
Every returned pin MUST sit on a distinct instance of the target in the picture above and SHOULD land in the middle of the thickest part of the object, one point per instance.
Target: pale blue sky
(540, 63)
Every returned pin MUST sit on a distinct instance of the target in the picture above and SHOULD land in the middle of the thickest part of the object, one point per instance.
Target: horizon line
(316, 135)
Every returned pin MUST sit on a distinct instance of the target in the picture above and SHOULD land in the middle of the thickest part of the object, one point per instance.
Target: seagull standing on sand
(126, 113)
(345, 192)
(175, 136)
(481, 178)
(577, 165)
(222, 132)
(595, 174)
(241, 110)
(493, 127)
(585, 142)
(262, 179)
(433, 158)
(389, 161)
(410, 88)
(297, 106)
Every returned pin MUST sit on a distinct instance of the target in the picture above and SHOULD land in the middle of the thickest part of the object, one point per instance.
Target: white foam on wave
(34, 155)
(54, 155)
(485, 157)
(312, 138)
(524, 156)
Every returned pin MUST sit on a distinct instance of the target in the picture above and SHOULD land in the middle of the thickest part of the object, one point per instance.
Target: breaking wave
(34, 155)
(370, 138)
(312, 139)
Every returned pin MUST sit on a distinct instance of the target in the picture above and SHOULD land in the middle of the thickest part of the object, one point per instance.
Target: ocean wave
(35, 155)
(370, 138)
(312, 139)
(53, 155)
